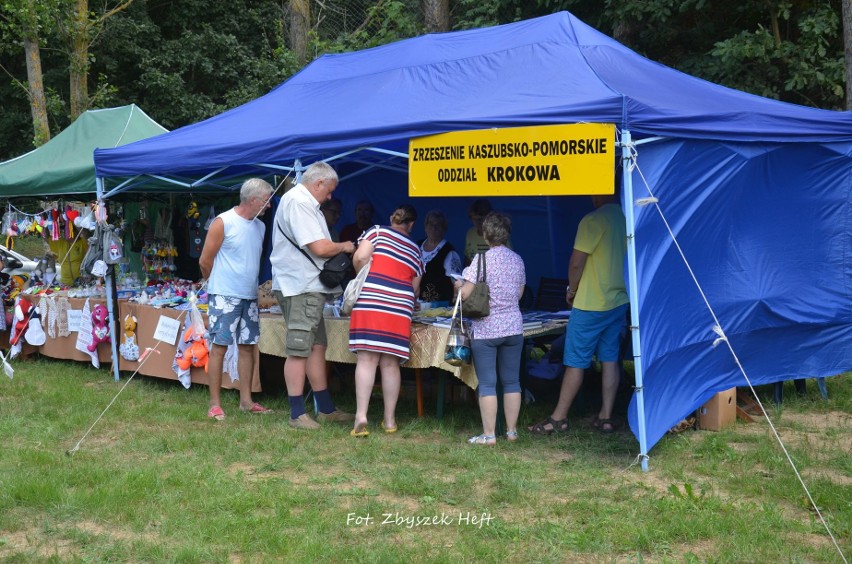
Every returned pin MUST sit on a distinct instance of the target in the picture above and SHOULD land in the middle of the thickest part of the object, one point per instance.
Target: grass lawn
(156, 481)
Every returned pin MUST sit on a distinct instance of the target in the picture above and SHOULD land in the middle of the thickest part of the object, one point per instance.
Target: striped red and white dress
(381, 318)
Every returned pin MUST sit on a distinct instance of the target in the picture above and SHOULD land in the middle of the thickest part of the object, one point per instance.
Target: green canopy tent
(65, 165)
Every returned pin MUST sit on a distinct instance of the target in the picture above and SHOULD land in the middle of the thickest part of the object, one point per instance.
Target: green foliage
(186, 60)
(806, 66)
(386, 21)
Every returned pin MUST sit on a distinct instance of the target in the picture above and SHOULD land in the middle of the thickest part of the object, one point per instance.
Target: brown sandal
(556, 426)
(605, 426)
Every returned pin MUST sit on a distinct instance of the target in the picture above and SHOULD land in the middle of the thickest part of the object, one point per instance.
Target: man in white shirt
(301, 243)
(230, 260)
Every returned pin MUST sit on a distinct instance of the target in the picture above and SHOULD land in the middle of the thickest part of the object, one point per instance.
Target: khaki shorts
(303, 319)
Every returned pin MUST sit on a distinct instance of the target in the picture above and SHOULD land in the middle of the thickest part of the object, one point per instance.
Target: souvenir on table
(21, 320)
(129, 349)
(35, 332)
(100, 327)
(192, 348)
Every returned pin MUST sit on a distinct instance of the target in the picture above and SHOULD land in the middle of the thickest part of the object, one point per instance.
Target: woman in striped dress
(380, 327)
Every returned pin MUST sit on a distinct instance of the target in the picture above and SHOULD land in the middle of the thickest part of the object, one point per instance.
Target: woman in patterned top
(498, 339)
(380, 327)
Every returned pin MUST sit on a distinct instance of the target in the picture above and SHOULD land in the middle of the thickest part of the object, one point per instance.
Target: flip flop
(359, 434)
(257, 408)
(389, 429)
(216, 413)
(489, 440)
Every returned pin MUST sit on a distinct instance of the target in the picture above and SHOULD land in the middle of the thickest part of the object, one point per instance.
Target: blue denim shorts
(594, 333)
(233, 319)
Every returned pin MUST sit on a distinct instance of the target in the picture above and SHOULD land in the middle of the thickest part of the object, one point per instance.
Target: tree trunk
(300, 25)
(436, 14)
(847, 44)
(38, 104)
(79, 59)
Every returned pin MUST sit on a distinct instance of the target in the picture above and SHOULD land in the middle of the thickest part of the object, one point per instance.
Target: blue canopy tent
(757, 192)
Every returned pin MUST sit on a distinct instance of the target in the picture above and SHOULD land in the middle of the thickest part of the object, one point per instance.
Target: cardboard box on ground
(719, 412)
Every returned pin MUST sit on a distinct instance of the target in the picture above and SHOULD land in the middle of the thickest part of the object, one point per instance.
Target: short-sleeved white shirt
(300, 218)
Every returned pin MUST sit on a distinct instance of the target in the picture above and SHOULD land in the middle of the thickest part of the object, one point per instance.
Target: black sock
(297, 406)
(324, 402)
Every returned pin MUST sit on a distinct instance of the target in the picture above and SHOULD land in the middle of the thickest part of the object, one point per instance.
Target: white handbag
(353, 289)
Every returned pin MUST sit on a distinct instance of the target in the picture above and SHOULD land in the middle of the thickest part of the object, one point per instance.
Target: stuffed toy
(129, 349)
(35, 332)
(196, 353)
(22, 319)
(100, 327)
(192, 210)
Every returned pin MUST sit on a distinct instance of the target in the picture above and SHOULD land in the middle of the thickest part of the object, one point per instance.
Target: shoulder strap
(481, 267)
(301, 250)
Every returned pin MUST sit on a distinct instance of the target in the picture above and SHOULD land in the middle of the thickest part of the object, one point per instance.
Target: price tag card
(167, 330)
(74, 317)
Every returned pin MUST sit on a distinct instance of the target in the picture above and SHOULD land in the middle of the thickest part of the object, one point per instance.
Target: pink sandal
(256, 408)
(216, 413)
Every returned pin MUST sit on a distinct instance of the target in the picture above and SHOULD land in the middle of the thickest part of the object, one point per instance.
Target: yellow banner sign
(546, 160)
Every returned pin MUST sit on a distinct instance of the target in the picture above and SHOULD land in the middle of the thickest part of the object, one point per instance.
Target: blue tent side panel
(767, 231)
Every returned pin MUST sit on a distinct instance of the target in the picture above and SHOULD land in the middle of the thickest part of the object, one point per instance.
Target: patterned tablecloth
(427, 344)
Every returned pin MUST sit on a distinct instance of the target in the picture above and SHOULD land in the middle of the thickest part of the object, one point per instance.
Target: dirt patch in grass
(116, 533)
(33, 541)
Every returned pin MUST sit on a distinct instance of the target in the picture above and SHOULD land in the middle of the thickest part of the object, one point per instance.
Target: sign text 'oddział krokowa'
(546, 160)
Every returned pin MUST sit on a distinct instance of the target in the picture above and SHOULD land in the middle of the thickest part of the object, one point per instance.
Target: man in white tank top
(230, 261)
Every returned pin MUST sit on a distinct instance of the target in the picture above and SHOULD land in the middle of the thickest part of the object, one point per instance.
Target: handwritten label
(167, 330)
(74, 317)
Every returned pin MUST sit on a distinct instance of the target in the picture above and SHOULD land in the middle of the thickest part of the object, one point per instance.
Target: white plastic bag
(353, 289)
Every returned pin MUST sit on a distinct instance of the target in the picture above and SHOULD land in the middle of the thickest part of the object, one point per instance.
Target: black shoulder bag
(333, 271)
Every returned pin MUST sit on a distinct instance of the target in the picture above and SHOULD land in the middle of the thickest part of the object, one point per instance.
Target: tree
(436, 14)
(300, 26)
(847, 48)
(81, 29)
(23, 21)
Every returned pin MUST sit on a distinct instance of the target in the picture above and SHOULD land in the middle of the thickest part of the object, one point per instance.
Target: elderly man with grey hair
(301, 243)
(230, 260)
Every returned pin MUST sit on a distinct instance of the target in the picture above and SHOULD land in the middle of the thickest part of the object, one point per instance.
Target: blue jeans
(498, 356)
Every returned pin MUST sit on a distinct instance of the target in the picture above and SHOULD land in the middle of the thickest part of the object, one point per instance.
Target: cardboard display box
(719, 412)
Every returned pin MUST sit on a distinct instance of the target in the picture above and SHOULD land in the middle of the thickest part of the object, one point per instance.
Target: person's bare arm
(327, 248)
(362, 254)
(212, 244)
(466, 290)
(576, 266)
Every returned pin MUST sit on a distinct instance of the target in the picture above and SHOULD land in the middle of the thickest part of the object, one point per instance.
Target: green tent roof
(64, 165)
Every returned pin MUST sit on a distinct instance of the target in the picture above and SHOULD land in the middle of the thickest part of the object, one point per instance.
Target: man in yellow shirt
(599, 316)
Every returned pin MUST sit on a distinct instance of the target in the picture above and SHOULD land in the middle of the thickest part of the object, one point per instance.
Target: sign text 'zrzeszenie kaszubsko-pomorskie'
(546, 160)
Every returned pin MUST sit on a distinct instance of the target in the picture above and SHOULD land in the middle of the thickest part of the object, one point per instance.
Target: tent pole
(633, 291)
(111, 294)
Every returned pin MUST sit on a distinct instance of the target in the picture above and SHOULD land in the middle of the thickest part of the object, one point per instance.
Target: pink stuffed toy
(100, 327)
